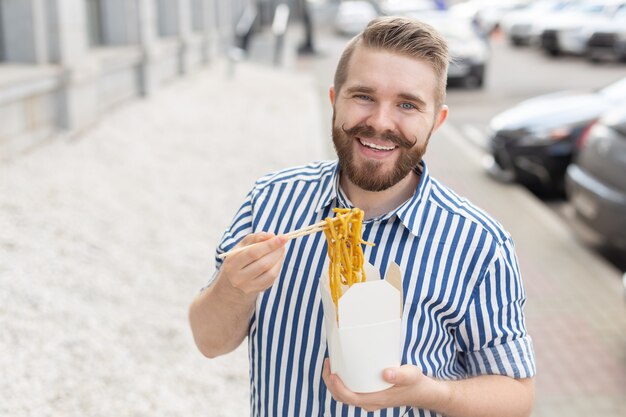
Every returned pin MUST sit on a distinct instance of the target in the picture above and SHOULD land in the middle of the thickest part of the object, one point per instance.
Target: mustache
(365, 131)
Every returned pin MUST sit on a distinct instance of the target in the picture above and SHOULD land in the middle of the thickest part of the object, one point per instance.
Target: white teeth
(377, 147)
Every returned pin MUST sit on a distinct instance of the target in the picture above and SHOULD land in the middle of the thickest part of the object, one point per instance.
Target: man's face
(383, 117)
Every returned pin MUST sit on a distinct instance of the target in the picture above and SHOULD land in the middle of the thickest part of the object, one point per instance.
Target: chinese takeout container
(364, 331)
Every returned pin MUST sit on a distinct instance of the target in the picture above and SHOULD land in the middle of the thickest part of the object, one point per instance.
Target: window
(94, 22)
(2, 56)
(167, 14)
(197, 15)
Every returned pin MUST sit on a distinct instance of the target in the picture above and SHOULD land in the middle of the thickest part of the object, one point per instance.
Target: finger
(327, 375)
(260, 266)
(337, 388)
(267, 279)
(326, 372)
(254, 238)
(257, 251)
(261, 274)
(404, 375)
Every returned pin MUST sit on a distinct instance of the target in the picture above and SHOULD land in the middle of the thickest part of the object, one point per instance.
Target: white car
(517, 25)
(569, 33)
(404, 7)
(488, 14)
(353, 16)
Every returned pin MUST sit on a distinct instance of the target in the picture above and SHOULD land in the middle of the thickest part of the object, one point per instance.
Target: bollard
(279, 28)
(234, 56)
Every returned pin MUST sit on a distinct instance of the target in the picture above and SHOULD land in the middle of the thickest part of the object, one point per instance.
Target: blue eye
(408, 106)
(363, 97)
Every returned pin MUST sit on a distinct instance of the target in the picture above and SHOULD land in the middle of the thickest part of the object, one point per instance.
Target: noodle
(343, 236)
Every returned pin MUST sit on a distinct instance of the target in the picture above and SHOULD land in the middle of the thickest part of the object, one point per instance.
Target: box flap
(394, 277)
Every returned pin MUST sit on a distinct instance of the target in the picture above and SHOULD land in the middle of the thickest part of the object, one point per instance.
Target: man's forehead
(376, 69)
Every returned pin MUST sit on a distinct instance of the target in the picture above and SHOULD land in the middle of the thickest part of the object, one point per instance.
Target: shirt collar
(410, 213)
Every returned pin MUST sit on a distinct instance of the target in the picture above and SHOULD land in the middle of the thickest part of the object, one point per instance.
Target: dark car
(596, 182)
(534, 142)
(609, 41)
(469, 51)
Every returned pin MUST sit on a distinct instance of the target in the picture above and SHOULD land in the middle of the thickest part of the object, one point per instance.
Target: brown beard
(369, 175)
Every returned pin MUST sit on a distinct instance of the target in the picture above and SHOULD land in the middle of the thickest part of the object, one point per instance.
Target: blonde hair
(403, 36)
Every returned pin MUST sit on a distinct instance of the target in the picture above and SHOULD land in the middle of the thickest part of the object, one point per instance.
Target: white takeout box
(367, 338)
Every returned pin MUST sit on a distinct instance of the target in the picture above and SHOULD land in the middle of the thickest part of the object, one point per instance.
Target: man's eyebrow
(414, 98)
(360, 89)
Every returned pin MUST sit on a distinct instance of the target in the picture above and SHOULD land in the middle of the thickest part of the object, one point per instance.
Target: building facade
(63, 63)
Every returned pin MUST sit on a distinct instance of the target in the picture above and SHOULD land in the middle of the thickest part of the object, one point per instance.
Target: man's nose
(382, 118)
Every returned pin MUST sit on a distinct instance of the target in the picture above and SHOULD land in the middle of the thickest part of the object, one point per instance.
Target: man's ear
(441, 117)
(331, 94)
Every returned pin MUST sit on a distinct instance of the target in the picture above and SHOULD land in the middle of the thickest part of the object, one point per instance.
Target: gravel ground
(106, 238)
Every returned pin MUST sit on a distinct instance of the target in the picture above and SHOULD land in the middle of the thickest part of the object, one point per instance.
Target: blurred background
(131, 130)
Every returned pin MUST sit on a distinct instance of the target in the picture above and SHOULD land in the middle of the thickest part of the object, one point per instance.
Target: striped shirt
(463, 295)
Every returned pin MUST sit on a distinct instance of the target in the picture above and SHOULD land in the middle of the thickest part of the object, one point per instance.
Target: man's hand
(411, 388)
(220, 314)
(256, 268)
(484, 395)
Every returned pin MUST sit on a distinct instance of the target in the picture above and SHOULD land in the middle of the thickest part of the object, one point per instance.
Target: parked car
(596, 182)
(517, 25)
(534, 142)
(469, 51)
(609, 39)
(487, 14)
(568, 33)
(548, 18)
(404, 7)
(352, 16)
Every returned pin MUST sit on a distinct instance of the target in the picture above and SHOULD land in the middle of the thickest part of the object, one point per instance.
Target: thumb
(404, 375)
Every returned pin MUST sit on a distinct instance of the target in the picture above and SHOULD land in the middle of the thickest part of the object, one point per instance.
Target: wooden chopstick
(307, 230)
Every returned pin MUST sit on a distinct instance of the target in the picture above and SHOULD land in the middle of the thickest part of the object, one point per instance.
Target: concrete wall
(52, 79)
(29, 108)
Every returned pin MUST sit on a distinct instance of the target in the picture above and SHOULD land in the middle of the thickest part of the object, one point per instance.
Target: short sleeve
(240, 227)
(492, 337)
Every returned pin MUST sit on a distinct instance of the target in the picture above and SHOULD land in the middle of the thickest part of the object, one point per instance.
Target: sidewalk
(576, 311)
(107, 238)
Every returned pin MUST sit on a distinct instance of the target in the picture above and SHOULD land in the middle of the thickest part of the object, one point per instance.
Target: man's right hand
(255, 269)
(219, 315)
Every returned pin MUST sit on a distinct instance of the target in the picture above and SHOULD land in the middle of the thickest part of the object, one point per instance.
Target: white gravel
(105, 239)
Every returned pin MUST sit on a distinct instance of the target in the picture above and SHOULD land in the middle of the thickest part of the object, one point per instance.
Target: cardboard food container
(364, 332)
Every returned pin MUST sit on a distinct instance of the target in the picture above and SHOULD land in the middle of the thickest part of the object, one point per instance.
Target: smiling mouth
(375, 146)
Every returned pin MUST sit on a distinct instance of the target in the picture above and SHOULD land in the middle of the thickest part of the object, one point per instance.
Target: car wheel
(473, 81)
(475, 78)
(553, 52)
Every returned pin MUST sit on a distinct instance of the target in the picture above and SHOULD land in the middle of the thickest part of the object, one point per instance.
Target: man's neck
(377, 203)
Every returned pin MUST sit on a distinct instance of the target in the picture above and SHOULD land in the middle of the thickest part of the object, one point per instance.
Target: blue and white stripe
(463, 295)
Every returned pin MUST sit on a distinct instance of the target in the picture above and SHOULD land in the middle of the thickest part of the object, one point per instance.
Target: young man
(465, 347)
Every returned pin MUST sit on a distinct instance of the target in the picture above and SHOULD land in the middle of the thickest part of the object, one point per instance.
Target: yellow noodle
(343, 236)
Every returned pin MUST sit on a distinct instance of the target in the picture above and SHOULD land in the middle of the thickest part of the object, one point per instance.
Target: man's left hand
(411, 388)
